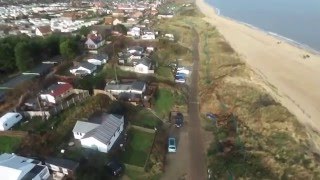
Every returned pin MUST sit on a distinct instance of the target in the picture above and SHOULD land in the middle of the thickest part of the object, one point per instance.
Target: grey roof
(111, 123)
(87, 65)
(145, 61)
(138, 85)
(12, 83)
(84, 127)
(42, 69)
(118, 87)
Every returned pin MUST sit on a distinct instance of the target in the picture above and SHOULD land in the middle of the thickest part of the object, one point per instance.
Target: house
(136, 14)
(98, 59)
(94, 40)
(84, 68)
(131, 21)
(57, 92)
(143, 66)
(135, 32)
(169, 36)
(135, 50)
(117, 21)
(108, 20)
(13, 167)
(9, 119)
(99, 136)
(148, 35)
(64, 166)
(136, 87)
(118, 13)
(43, 31)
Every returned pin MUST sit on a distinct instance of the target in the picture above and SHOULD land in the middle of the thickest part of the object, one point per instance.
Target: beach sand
(295, 80)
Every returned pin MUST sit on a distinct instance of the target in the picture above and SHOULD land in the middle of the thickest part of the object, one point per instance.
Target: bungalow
(135, 32)
(99, 136)
(43, 31)
(136, 87)
(98, 59)
(148, 35)
(57, 92)
(135, 50)
(14, 167)
(94, 40)
(143, 66)
(84, 68)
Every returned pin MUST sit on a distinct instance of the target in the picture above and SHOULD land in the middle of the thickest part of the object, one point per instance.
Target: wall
(94, 144)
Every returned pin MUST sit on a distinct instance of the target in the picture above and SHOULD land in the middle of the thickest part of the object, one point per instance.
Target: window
(17, 115)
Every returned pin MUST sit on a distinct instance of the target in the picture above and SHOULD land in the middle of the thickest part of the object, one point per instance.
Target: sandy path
(297, 80)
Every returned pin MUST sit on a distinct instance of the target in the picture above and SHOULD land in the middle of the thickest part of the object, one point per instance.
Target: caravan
(8, 120)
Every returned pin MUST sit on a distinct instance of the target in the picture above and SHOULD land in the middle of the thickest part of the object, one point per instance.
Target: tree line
(21, 53)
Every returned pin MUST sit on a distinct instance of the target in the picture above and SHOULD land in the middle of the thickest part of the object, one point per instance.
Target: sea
(295, 21)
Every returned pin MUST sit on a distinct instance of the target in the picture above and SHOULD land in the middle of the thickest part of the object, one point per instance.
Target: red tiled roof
(60, 89)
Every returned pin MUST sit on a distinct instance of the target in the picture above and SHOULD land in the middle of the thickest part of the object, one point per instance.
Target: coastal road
(197, 162)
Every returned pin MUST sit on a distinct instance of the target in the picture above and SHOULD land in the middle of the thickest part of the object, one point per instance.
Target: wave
(278, 36)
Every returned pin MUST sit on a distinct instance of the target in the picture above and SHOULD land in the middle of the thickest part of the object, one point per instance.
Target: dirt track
(197, 163)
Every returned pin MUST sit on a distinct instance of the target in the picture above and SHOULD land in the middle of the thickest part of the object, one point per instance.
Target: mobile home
(8, 120)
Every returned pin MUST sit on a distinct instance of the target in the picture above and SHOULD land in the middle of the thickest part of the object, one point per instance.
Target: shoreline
(270, 33)
(281, 64)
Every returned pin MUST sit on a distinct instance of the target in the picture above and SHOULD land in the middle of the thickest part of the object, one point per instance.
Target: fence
(133, 69)
(80, 96)
(99, 91)
(13, 133)
(148, 130)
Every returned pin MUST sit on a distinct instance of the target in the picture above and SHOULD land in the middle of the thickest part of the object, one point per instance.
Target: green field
(9, 144)
(140, 144)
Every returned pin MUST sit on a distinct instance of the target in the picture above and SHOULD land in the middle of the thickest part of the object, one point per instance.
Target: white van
(8, 120)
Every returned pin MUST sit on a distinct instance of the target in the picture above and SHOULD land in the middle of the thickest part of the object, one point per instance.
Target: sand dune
(296, 79)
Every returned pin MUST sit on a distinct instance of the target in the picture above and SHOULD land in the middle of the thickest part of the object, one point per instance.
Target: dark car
(179, 119)
(114, 168)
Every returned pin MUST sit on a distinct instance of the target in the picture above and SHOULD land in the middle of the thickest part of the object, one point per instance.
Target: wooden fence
(13, 133)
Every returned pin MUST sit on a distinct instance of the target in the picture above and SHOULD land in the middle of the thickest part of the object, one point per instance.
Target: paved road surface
(197, 163)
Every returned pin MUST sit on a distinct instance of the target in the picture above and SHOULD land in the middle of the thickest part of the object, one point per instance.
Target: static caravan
(8, 120)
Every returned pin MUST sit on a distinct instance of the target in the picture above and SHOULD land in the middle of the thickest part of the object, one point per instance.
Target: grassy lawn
(8, 144)
(164, 102)
(145, 118)
(164, 72)
(139, 147)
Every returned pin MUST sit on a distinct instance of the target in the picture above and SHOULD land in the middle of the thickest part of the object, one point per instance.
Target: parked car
(114, 168)
(172, 145)
(179, 120)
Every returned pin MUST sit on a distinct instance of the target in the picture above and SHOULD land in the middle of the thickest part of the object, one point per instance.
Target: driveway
(177, 163)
